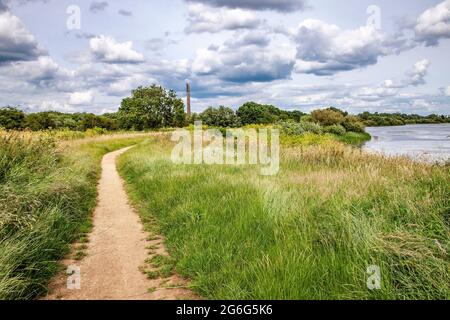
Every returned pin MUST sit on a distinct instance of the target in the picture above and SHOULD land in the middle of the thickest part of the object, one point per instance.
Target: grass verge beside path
(310, 232)
(47, 193)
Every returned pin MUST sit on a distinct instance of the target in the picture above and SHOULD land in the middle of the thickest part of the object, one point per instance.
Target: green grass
(308, 233)
(309, 139)
(354, 138)
(47, 192)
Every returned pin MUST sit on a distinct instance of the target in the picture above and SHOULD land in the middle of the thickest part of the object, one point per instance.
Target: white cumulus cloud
(202, 18)
(419, 72)
(434, 24)
(108, 50)
(255, 61)
(81, 98)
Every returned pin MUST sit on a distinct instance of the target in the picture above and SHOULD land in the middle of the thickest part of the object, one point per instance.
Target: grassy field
(310, 232)
(47, 192)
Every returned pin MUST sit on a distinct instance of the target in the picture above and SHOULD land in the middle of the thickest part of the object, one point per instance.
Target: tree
(221, 117)
(40, 121)
(11, 118)
(151, 107)
(255, 113)
(327, 117)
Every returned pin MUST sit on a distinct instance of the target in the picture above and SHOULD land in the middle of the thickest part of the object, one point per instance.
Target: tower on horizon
(188, 97)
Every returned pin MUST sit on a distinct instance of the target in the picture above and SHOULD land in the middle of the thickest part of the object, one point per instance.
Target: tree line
(400, 119)
(155, 107)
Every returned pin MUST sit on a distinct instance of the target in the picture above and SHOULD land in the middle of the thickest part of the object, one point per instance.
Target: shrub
(311, 127)
(336, 129)
(353, 124)
(96, 131)
(327, 117)
(291, 128)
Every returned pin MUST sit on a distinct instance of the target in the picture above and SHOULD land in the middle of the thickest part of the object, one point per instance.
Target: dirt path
(117, 251)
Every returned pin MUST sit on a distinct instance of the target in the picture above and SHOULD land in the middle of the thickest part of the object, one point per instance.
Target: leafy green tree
(221, 117)
(255, 113)
(11, 118)
(40, 121)
(151, 107)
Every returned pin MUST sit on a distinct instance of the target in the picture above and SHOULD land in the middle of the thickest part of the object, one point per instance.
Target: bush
(336, 129)
(291, 128)
(327, 117)
(96, 131)
(311, 127)
(353, 124)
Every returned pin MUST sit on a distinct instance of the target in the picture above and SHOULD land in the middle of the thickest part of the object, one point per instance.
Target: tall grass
(47, 191)
(310, 232)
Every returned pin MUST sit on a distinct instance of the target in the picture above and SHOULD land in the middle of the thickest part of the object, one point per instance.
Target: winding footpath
(117, 251)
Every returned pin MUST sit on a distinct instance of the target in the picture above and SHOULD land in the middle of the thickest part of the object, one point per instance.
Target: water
(428, 142)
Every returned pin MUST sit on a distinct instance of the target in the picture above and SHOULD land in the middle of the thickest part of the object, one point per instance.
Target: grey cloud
(4, 3)
(3, 6)
(125, 13)
(259, 71)
(16, 42)
(98, 6)
(158, 44)
(202, 18)
(257, 38)
(81, 34)
(324, 49)
(155, 44)
(275, 5)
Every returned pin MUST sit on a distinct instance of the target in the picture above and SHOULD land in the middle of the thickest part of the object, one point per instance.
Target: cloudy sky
(84, 55)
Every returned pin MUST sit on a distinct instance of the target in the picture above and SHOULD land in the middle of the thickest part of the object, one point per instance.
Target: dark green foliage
(11, 118)
(220, 117)
(15, 119)
(399, 119)
(151, 107)
(255, 113)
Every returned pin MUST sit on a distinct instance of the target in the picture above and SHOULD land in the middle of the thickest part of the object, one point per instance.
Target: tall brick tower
(188, 97)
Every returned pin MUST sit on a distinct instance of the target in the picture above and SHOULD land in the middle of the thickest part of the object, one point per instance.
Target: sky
(357, 55)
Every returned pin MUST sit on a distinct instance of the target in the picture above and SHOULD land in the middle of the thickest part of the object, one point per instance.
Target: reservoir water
(428, 142)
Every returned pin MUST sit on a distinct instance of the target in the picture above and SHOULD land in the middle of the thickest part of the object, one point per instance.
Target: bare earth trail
(116, 251)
